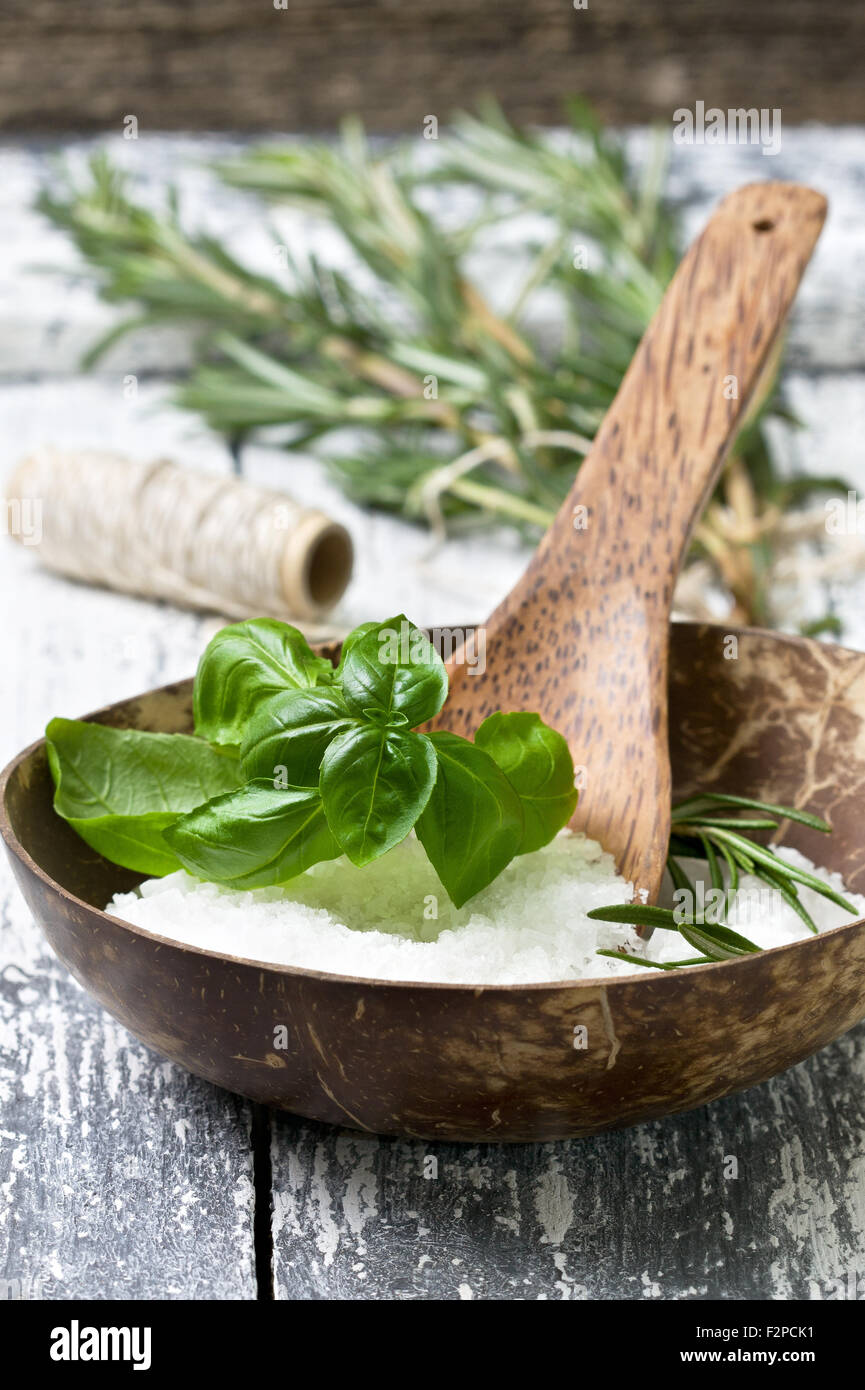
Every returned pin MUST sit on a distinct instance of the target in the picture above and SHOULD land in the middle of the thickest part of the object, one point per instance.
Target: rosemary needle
(696, 831)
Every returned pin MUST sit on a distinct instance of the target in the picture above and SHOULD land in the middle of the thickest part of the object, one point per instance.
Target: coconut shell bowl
(784, 720)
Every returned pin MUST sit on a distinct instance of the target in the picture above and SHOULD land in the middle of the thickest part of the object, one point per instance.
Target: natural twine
(163, 531)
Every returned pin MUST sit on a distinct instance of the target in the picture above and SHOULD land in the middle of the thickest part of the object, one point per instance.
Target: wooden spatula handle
(659, 451)
(583, 637)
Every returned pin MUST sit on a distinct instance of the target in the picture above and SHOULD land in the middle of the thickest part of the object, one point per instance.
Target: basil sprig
(294, 762)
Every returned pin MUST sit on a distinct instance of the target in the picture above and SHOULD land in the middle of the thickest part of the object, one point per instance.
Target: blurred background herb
(459, 410)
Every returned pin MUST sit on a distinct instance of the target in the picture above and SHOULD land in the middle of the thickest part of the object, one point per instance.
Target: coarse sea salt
(393, 920)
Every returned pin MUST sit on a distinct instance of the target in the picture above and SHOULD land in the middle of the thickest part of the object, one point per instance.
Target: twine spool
(161, 531)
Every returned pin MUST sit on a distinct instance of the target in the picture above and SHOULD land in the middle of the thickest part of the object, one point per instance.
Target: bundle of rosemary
(719, 828)
(458, 411)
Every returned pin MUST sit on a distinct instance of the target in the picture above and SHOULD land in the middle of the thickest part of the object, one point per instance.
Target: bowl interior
(778, 718)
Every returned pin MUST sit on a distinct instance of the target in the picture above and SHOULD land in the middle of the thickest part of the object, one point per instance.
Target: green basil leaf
(374, 784)
(292, 731)
(121, 788)
(392, 667)
(537, 762)
(351, 640)
(254, 837)
(473, 824)
(245, 664)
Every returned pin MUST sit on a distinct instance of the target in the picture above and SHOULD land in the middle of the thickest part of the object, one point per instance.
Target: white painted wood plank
(649, 1213)
(121, 1175)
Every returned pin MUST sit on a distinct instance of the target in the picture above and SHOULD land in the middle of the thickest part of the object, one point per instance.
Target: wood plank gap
(263, 1202)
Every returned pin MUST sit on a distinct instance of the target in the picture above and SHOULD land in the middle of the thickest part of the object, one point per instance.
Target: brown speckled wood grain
(582, 638)
(785, 719)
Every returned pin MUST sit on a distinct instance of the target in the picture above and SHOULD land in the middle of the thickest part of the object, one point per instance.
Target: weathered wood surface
(755, 1197)
(90, 1120)
(204, 64)
(122, 1176)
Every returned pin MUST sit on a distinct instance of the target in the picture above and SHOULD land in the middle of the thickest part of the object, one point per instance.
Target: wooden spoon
(583, 637)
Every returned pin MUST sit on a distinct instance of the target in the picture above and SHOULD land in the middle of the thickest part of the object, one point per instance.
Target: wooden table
(192, 64)
(123, 1176)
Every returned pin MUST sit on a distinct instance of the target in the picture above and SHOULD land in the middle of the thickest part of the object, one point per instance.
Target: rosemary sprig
(458, 410)
(655, 964)
(701, 834)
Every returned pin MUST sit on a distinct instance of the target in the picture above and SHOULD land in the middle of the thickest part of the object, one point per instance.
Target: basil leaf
(292, 731)
(392, 667)
(537, 762)
(374, 784)
(254, 837)
(245, 664)
(120, 788)
(473, 824)
(351, 640)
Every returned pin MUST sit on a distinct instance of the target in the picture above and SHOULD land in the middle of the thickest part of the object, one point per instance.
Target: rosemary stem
(498, 500)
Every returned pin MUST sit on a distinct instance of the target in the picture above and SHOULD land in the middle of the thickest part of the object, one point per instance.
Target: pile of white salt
(393, 920)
